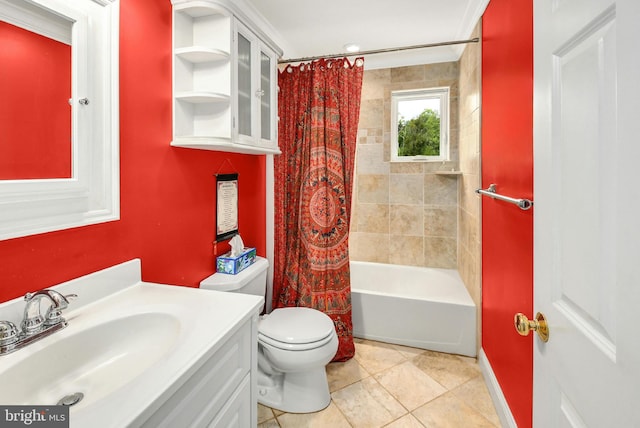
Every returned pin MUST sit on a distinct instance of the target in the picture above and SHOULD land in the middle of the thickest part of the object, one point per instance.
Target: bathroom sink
(95, 361)
(128, 350)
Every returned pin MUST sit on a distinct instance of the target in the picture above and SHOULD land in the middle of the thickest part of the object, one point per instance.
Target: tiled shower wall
(406, 213)
(469, 220)
(403, 212)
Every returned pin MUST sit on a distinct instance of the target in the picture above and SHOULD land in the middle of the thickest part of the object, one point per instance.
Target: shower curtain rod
(378, 51)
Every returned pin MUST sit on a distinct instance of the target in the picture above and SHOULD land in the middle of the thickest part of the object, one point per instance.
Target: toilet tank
(252, 280)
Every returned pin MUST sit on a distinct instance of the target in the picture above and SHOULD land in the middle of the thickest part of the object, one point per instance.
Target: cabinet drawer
(202, 397)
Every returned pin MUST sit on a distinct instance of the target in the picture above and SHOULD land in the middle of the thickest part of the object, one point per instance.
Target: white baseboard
(502, 408)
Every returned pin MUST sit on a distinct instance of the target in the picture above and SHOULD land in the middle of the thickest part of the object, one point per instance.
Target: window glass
(419, 128)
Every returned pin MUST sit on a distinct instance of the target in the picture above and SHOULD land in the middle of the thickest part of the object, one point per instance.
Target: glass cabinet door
(256, 77)
(244, 85)
(265, 95)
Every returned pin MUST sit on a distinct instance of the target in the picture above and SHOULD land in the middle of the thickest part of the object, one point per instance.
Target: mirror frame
(92, 194)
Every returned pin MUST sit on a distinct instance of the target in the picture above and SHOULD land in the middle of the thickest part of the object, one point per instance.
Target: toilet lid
(296, 325)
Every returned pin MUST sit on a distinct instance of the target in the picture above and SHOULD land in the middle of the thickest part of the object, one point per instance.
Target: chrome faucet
(34, 326)
(33, 321)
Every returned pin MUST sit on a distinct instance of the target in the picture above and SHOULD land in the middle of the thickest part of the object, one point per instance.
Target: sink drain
(71, 399)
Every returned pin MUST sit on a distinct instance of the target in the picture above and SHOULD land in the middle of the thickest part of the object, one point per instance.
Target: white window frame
(440, 93)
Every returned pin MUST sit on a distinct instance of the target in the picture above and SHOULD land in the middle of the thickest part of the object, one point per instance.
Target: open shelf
(222, 145)
(202, 97)
(200, 54)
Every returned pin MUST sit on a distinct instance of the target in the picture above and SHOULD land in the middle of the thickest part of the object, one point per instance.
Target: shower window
(420, 125)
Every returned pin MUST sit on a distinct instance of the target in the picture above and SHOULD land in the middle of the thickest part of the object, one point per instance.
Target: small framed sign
(226, 206)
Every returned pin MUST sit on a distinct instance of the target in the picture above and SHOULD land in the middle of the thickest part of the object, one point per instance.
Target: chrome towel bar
(523, 204)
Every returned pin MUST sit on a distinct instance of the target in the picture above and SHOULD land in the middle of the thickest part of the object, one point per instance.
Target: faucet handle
(8, 333)
(54, 313)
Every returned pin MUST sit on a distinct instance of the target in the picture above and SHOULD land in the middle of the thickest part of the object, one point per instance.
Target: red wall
(507, 231)
(27, 148)
(167, 194)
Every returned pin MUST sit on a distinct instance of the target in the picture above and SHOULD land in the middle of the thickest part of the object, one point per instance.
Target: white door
(587, 212)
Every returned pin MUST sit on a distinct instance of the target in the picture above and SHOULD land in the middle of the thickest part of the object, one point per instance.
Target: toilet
(294, 346)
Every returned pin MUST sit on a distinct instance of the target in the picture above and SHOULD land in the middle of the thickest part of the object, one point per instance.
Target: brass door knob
(524, 326)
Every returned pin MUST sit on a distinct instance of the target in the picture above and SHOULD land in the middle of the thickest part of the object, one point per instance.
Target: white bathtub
(425, 308)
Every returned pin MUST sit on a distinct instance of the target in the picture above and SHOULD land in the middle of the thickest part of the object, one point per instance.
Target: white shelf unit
(206, 93)
(201, 72)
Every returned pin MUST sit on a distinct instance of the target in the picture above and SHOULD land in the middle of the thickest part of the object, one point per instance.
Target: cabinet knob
(260, 93)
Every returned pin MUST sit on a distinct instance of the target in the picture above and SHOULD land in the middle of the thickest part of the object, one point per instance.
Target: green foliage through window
(419, 136)
(420, 125)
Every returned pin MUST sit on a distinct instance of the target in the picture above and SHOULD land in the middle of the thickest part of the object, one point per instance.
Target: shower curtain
(319, 107)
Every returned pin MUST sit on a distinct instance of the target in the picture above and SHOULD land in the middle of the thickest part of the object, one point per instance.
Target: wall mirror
(59, 141)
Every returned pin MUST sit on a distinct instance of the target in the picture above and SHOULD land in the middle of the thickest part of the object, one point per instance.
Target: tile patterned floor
(397, 387)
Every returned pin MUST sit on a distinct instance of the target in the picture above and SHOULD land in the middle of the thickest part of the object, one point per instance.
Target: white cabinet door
(268, 95)
(245, 86)
(255, 90)
(587, 212)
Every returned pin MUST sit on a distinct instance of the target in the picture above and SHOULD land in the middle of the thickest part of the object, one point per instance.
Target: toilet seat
(296, 329)
(294, 346)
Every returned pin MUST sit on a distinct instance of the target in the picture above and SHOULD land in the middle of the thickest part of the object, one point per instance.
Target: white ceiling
(314, 28)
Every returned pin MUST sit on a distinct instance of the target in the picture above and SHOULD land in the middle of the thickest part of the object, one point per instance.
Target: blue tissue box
(232, 265)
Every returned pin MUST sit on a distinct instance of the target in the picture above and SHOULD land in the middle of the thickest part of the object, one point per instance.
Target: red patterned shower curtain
(319, 107)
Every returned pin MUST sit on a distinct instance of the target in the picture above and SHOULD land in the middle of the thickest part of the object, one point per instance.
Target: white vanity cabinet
(224, 80)
(222, 391)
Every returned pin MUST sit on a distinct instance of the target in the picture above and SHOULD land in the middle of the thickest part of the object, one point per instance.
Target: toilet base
(305, 392)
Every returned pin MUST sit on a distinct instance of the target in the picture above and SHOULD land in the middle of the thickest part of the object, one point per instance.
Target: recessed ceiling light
(351, 47)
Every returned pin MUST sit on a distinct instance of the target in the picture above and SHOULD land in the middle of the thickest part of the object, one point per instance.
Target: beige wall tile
(369, 158)
(406, 250)
(441, 71)
(441, 222)
(441, 252)
(369, 247)
(406, 220)
(428, 167)
(373, 188)
(405, 189)
(374, 82)
(373, 218)
(371, 113)
(440, 190)
(408, 74)
(469, 232)
(406, 167)
(470, 201)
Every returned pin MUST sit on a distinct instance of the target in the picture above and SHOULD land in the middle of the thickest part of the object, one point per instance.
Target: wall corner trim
(499, 401)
